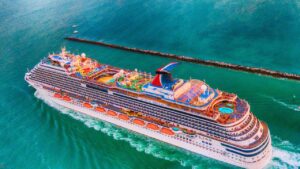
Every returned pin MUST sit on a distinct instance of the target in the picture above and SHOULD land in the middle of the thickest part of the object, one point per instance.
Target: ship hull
(155, 134)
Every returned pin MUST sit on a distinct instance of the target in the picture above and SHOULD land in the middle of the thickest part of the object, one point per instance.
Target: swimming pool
(225, 110)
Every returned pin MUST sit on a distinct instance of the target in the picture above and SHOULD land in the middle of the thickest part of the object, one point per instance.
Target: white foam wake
(140, 143)
(290, 106)
(285, 155)
(284, 104)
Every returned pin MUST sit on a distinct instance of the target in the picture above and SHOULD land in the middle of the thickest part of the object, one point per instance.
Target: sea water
(35, 133)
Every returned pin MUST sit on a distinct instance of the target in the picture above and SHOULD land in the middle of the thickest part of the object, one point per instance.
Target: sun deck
(228, 108)
(193, 95)
(133, 80)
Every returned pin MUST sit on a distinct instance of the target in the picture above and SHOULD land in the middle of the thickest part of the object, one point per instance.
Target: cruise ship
(188, 114)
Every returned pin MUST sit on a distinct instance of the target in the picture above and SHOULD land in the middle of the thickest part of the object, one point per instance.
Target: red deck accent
(57, 95)
(87, 105)
(152, 126)
(123, 117)
(100, 109)
(111, 113)
(139, 122)
(67, 98)
(167, 131)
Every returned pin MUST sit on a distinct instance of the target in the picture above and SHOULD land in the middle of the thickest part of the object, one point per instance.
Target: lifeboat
(100, 109)
(87, 105)
(67, 98)
(167, 131)
(138, 122)
(57, 95)
(123, 117)
(111, 113)
(152, 126)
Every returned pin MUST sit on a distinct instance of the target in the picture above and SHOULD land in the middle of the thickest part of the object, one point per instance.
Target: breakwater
(248, 69)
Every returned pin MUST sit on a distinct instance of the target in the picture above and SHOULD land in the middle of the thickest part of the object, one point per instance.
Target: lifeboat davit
(152, 126)
(67, 98)
(138, 122)
(111, 113)
(100, 109)
(57, 95)
(87, 105)
(123, 117)
(167, 131)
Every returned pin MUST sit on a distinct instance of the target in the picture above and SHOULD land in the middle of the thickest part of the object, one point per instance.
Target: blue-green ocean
(261, 33)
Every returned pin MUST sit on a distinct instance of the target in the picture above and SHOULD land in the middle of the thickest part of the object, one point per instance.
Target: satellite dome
(203, 87)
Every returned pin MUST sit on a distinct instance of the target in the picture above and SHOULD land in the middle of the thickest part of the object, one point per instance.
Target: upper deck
(188, 95)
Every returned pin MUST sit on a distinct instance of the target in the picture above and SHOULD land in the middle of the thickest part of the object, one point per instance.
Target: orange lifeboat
(87, 105)
(111, 113)
(123, 117)
(67, 98)
(152, 126)
(167, 131)
(57, 95)
(138, 122)
(100, 109)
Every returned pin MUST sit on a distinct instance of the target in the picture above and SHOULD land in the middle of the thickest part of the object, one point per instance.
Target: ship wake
(285, 155)
(284, 104)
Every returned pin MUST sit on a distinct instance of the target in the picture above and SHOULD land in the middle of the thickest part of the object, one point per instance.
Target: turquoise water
(263, 33)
